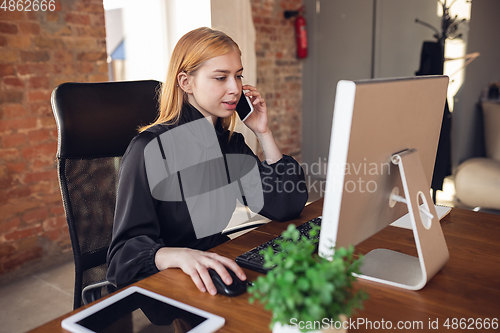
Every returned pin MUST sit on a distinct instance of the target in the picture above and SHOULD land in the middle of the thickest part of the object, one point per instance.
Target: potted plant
(305, 291)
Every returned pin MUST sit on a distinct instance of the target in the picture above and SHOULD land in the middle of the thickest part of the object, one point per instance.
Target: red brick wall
(38, 51)
(279, 72)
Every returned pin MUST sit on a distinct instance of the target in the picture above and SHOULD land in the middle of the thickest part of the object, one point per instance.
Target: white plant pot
(279, 328)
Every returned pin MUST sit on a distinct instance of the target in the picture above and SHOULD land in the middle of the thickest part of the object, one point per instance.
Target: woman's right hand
(196, 263)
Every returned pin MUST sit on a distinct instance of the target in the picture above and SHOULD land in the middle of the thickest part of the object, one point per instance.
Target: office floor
(36, 299)
(41, 297)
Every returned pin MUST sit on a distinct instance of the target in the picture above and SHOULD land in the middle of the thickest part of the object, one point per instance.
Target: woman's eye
(220, 78)
(239, 77)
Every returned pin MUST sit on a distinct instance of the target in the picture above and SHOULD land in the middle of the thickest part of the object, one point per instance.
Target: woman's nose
(234, 87)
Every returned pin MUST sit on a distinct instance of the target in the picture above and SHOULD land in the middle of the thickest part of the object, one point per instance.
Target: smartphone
(244, 107)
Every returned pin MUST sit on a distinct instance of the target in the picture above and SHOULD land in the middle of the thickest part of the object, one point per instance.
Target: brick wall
(38, 51)
(279, 72)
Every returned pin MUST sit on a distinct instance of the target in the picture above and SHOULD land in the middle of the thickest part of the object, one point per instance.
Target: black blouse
(144, 224)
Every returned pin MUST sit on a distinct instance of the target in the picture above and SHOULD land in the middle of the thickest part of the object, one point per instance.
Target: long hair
(194, 48)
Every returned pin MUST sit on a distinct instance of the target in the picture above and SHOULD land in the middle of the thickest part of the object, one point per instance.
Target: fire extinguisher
(301, 35)
(300, 31)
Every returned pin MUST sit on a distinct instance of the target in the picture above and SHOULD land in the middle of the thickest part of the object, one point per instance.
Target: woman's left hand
(257, 121)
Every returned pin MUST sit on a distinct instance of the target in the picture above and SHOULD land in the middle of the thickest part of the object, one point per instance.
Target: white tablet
(137, 310)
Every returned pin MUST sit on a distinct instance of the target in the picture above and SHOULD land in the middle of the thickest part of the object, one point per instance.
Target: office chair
(95, 123)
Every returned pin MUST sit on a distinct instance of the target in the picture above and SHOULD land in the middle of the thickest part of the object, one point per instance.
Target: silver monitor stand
(402, 270)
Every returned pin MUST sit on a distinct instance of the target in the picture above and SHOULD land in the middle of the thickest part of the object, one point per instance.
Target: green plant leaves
(303, 285)
(289, 278)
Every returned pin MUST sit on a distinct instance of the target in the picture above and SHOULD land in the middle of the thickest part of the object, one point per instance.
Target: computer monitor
(383, 146)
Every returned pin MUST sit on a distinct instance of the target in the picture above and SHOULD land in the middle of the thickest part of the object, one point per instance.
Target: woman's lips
(230, 105)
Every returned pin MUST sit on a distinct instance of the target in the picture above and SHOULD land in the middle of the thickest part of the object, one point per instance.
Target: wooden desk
(468, 286)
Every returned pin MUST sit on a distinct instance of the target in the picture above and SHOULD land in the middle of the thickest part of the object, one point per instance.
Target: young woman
(204, 81)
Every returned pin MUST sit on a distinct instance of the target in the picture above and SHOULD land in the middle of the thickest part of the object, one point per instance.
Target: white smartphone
(244, 107)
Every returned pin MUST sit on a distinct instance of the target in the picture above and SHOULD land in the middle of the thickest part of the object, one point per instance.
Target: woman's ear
(184, 82)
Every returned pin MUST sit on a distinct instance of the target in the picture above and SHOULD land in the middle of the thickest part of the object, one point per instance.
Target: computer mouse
(236, 288)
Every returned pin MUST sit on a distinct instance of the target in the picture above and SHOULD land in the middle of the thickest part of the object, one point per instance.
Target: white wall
(398, 38)
(153, 27)
(340, 48)
(344, 43)
(114, 29)
(185, 15)
(145, 39)
(483, 38)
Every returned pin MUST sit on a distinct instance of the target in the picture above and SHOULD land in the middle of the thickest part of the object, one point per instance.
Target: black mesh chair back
(95, 122)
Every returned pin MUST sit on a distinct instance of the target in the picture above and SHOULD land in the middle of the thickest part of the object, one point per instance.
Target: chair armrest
(92, 292)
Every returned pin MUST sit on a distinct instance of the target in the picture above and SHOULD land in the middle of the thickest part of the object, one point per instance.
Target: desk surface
(468, 286)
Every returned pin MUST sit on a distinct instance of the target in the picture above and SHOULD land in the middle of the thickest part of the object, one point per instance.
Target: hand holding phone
(244, 107)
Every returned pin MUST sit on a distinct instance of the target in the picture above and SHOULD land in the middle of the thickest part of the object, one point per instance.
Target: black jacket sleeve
(283, 185)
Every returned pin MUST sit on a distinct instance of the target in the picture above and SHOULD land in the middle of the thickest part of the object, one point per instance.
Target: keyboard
(255, 261)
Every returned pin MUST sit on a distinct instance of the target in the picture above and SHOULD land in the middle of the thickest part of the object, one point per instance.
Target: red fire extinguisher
(301, 35)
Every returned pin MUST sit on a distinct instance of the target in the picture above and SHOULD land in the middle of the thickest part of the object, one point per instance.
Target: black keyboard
(255, 261)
